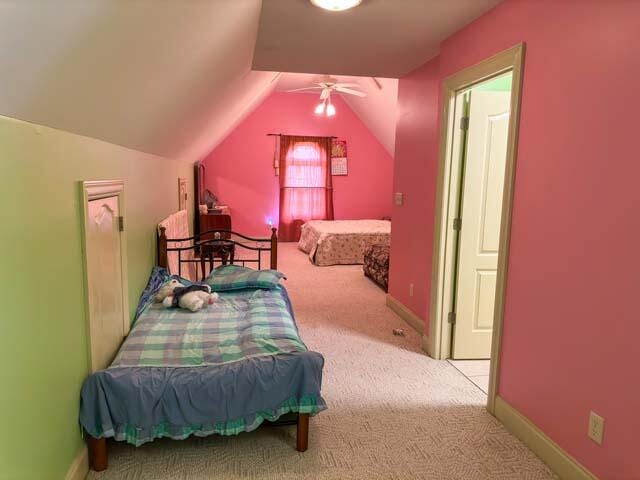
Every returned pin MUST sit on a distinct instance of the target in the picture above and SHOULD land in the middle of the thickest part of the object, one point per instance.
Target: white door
(105, 285)
(480, 232)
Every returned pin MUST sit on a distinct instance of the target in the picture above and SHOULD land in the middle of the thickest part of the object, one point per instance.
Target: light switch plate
(596, 428)
(398, 198)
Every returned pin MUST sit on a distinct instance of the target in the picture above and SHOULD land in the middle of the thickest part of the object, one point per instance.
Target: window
(305, 183)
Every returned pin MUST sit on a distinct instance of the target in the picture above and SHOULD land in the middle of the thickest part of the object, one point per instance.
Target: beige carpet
(393, 412)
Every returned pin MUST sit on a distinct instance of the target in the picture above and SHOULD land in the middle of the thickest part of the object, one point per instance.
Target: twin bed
(229, 367)
(223, 370)
(342, 242)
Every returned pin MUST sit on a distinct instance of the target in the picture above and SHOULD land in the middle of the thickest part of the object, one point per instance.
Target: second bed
(342, 242)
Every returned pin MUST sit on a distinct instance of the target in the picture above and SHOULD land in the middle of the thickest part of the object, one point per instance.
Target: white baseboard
(79, 468)
(426, 345)
(563, 464)
(411, 318)
(407, 315)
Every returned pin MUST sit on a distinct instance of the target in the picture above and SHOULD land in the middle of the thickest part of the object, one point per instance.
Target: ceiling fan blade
(351, 92)
(305, 88)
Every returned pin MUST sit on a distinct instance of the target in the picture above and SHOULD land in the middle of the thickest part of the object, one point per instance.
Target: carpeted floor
(393, 412)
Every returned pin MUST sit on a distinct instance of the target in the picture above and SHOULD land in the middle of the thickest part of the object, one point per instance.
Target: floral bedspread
(342, 242)
(376, 264)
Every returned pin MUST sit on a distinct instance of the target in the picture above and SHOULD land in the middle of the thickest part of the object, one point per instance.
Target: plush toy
(194, 297)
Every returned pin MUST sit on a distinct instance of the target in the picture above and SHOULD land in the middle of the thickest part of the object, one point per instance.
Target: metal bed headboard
(217, 244)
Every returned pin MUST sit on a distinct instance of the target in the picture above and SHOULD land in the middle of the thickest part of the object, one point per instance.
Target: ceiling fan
(326, 87)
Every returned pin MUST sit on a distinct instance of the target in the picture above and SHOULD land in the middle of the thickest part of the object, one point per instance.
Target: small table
(218, 241)
(219, 210)
(222, 249)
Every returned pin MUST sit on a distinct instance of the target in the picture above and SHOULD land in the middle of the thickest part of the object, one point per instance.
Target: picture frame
(339, 163)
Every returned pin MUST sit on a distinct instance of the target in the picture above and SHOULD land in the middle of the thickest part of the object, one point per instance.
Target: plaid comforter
(243, 324)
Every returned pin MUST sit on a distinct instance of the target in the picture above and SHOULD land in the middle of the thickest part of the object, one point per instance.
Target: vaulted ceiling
(376, 110)
(173, 77)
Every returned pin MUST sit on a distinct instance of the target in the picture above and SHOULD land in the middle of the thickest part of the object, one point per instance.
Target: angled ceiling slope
(173, 78)
(381, 38)
(169, 78)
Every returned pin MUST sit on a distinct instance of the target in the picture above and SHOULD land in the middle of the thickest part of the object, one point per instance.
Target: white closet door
(480, 233)
(104, 280)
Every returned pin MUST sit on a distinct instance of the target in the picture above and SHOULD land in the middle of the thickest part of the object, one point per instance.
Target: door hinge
(451, 318)
(121, 224)
(464, 123)
(457, 224)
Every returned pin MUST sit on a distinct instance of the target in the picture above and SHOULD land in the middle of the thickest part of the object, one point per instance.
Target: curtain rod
(283, 135)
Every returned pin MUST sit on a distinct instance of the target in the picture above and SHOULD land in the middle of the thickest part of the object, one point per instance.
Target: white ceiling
(383, 38)
(173, 77)
(162, 76)
(377, 110)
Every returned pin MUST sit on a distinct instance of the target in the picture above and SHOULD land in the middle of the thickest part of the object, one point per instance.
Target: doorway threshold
(476, 371)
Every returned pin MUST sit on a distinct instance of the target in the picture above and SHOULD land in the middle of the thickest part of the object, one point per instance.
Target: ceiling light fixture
(336, 5)
(325, 107)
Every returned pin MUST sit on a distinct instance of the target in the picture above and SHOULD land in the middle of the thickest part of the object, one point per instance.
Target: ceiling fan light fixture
(336, 5)
(331, 110)
(320, 108)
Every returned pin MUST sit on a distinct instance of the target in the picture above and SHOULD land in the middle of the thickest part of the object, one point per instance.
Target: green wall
(498, 84)
(43, 339)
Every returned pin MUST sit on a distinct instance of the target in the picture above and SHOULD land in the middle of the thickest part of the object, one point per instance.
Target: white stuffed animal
(192, 298)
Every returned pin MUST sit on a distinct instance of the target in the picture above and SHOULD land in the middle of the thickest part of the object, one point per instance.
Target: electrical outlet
(596, 428)
(411, 289)
(398, 198)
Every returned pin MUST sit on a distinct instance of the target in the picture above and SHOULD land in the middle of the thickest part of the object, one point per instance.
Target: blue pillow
(234, 277)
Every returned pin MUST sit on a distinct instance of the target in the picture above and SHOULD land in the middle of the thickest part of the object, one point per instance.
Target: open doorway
(482, 133)
(473, 215)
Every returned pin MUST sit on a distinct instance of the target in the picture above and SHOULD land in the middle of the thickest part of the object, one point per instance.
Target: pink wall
(240, 170)
(571, 327)
(416, 167)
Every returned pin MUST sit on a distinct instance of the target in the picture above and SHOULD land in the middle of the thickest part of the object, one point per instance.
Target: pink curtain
(305, 184)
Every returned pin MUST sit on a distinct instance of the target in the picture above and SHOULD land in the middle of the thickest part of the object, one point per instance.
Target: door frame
(510, 60)
(95, 190)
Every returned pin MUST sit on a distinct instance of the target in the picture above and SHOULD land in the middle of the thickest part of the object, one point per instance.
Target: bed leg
(98, 454)
(302, 436)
